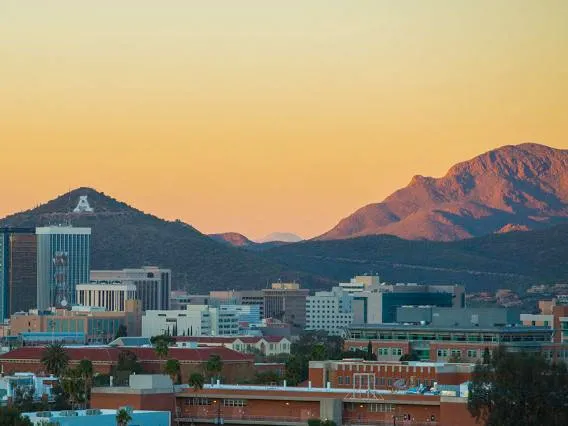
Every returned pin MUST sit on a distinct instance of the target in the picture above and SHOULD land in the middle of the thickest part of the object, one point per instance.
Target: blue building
(63, 261)
(96, 417)
(245, 313)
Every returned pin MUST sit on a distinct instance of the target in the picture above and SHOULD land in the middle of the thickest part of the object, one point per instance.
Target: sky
(258, 116)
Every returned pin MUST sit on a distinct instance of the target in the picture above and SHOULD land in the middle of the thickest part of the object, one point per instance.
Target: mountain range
(521, 187)
(504, 193)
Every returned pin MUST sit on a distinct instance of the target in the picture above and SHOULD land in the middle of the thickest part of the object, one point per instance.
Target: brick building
(236, 366)
(441, 344)
(98, 325)
(356, 373)
(258, 405)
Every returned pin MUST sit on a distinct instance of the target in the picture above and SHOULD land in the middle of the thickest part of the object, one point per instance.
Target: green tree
(121, 332)
(519, 389)
(55, 359)
(369, 356)
(196, 381)
(123, 417)
(161, 344)
(60, 398)
(318, 353)
(214, 366)
(411, 356)
(486, 356)
(173, 369)
(74, 387)
(10, 416)
(85, 370)
(295, 370)
(267, 378)
(127, 364)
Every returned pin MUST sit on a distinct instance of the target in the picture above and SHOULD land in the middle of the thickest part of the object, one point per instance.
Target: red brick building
(295, 406)
(236, 366)
(356, 373)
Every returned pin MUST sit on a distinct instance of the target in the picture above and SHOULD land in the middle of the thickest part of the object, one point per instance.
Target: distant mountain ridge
(232, 238)
(125, 237)
(514, 260)
(510, 188)
(280, 237)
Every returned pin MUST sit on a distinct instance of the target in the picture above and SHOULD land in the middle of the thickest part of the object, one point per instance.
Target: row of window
(393, 351)
(471, 353)
(209, 401)
(381, 381)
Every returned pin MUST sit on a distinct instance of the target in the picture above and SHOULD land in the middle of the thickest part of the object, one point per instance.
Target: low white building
(110, 296)
(266, 345)
(196, 320)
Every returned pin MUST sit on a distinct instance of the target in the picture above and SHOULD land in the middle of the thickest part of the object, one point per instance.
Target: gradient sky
(261, 116)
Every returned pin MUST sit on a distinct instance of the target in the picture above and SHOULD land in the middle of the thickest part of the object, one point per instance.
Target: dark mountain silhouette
(513, 260)
(124, 237)
(510, 188)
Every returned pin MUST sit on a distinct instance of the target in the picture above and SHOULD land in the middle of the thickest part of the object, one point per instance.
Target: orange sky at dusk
(261, 116)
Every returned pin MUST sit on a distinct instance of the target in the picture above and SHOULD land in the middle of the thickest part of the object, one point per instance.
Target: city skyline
(259, 118)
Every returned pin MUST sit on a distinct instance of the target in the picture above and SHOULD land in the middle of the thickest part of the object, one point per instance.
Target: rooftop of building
(229, 339)
(346, 394)
(514, 328)
(110, 354)
(49, 416)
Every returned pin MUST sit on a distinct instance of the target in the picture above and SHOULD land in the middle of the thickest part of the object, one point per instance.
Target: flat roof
(293, 389)
(404, 327)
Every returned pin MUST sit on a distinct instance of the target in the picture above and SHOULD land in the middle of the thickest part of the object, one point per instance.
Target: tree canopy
(55, 359)
(214, 366)
(511, 389)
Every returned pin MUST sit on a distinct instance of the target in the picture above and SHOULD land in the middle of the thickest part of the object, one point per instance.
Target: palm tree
(173, 369)
(85, 369)
(73, 385)
(55, 359)
(214, 366)
(197, 381)
(122, 417)
(161, 348)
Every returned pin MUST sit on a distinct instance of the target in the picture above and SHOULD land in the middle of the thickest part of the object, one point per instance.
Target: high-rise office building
(153, 284)
(63, 261)
(286, 302)
(18, 272)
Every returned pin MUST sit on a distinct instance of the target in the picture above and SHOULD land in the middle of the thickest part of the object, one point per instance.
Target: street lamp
(218, 420)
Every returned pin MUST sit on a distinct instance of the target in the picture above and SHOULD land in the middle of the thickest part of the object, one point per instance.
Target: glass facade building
(63, 261)
(18, 275)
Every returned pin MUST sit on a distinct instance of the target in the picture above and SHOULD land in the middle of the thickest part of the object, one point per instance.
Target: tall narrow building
(18, 272)
(63, 261)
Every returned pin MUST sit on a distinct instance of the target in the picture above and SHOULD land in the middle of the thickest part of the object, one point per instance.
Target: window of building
(234, 402)
(396, 351)
(472, 353)
(380, 408)
(339, 380)
(198, 401)
(347, 380)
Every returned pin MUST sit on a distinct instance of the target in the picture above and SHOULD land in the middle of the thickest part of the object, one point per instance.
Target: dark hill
(512, 260)
(126, 237)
